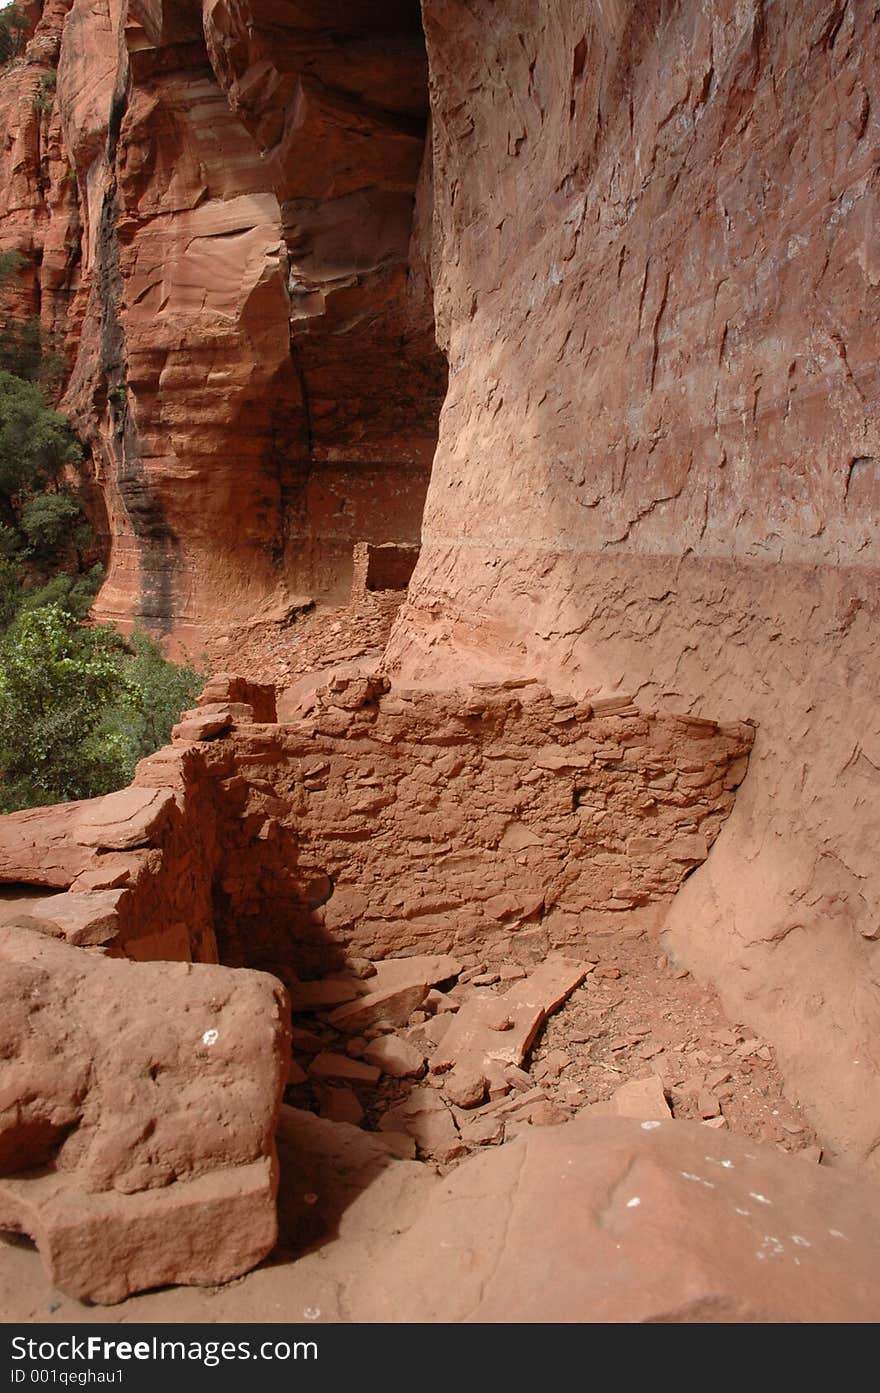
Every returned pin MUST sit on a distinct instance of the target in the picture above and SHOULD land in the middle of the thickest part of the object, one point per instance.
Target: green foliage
(45, 97)
(163, 690)
(21, 349)
(13, 27)
(11, 263)
(57, 679)
(35, 441)
(52, 522)
(10, 592)
(79, 707)
(74, 594)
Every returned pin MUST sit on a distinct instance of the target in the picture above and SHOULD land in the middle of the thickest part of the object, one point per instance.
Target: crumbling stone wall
(395, 820)
(387, 821)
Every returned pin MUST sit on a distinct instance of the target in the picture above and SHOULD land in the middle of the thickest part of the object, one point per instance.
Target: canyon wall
(657, 285)
(647, 236)
(216, 212)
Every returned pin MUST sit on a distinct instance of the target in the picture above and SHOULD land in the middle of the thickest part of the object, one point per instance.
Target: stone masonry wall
(410, 820)
(388, 821)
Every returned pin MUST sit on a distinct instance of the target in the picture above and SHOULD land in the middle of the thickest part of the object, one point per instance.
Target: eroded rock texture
(138, 1113)
(655, 234)
(229, 199)
(649, 231)
(637, 1224)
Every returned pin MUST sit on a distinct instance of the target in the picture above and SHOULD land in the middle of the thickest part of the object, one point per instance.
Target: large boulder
(137, 1115)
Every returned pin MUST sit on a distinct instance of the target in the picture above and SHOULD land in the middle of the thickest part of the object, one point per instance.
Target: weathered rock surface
(124, 820)
(614, 1220)
(139, 1104)
(544, 1228)
(657, 283)
(474, 1038)
(38, 847)
(217, 211)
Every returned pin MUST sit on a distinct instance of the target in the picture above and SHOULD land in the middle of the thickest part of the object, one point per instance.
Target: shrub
(35, 441)
(57, 679)
(13, 27)
(78, 706)
(52, 522)
(74, 594)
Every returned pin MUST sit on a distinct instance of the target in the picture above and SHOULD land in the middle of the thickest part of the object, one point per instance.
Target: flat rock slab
(37, 846)
(101, 1247)
(614, 1220)
(425, 968)
(340, 1105)
(643, 1099)
(471, 1039)
(121, 821)
(84, 920)
(427, 1119)
(328, 1065)
(395, 1005)
(318, 996)
(395, 1057)
(201, 727)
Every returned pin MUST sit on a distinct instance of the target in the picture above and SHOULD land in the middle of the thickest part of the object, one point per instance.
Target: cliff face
(658, 290)
(647, 235)
(256, 371)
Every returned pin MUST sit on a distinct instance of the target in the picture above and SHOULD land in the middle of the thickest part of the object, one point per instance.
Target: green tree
(52, 523)
(13, 27)
(57, 680)
(74, 594)
(35, 441)
(163, 689)
(79, 707)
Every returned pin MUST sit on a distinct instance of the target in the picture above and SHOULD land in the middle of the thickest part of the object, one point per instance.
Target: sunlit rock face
(657, 284)
(250, 329)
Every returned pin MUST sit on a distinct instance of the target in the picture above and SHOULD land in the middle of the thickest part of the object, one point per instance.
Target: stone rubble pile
(441, 1056)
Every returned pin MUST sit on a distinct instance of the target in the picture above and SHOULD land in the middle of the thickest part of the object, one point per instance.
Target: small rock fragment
(360, 968)
(393, 1006)
(396, 1057)
(500, 1021)
(316, 996)
(708, 1105)
(340, 1105)
(482, 1131)
(465, 1087)
(641, 1098)
(546, 1113)
(518, 1078)
(328, 1065)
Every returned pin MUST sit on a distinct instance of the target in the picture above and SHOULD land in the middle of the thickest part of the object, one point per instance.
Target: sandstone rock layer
(138, 1111)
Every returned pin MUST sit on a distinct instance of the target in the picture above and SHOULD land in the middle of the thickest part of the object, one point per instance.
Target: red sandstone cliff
(651, 233)
(229, 200)
(656, 242)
